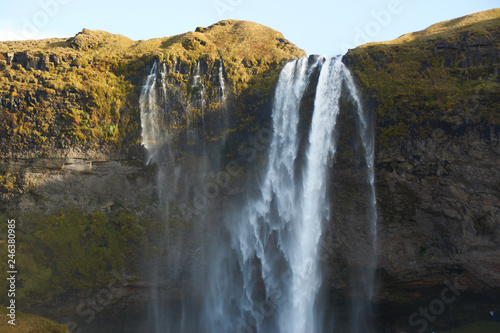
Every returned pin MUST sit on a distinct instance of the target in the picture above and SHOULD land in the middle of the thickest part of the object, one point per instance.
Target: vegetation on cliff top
(446, 76)
(475, 23)
(58, 93)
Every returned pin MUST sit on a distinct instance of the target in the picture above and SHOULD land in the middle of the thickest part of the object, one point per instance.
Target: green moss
(9, 185)
(433, 76)
(71, 251)
(424, 253)
(82, 91)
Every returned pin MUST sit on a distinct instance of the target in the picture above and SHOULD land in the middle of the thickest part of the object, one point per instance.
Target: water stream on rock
(222, 84)
(264, 267)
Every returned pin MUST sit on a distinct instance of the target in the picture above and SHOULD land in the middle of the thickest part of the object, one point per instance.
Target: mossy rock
(84, 91)
(445, 76)
(71, 250)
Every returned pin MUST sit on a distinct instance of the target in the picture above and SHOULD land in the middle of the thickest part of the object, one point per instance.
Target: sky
(325, 27)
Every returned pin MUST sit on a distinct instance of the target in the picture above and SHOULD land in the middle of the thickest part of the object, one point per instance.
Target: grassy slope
(447, 74)
(89, 96)
(27, 323)
(474, 23)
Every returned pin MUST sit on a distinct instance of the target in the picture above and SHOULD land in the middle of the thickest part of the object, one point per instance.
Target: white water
(151, 133)
(363, 284)
(153, 139)
(163, 74)
(303, 258)
(222, 84)
(198, 84)
(368, 141)
(157, 139)
(281, 191)
(267, 277)
(276, 232)
(199, 97)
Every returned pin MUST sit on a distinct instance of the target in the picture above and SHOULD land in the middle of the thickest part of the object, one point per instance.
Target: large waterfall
(265, 265)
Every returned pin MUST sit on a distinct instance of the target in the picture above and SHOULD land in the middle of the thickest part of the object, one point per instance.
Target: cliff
(72, 169)
(436, 94)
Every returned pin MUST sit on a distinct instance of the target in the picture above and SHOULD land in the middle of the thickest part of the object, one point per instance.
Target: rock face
(70, 137)
(73, 171)
(437, 164)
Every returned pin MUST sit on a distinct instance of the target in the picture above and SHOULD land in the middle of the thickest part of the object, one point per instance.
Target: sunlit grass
(28, 323)
(449, 28)
(88, 95)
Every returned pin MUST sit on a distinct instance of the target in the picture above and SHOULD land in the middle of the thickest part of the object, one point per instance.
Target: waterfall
(149, 115)
(163, 73)
(157, 139)
(368, 140)
(303, 258)
(264, 266)
(222, 85)
(199, 87)
(221, 94)
(268, 278)
(363, 284)
(199, 94)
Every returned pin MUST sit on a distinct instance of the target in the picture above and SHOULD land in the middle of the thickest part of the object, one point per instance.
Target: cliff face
(436, 97)
(72, 168)
(66, 104)
(70, 139)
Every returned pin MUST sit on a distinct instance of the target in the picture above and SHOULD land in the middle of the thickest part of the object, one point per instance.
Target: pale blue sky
(318, 26)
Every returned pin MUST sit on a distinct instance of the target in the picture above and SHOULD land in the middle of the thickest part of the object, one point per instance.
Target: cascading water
(158, 140)
(149, 115)
(303, 258)
(275, 233)
(163, 74)
(198, 95)
(222, 84)
(199, 88)
(363, 281)
(264, 268)
(368, 140)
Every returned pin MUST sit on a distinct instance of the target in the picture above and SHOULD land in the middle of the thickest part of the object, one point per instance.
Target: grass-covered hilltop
(88, 208)
(83, 91)
(446, 75)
